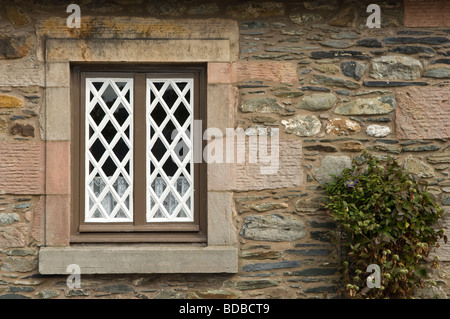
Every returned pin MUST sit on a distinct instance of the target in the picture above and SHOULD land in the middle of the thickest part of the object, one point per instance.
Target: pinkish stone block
(57, 218)
(22, 168)
(57, 167)
(423, 113)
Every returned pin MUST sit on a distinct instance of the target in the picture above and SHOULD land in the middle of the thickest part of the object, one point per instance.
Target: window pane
(169, 150)
(109, 156)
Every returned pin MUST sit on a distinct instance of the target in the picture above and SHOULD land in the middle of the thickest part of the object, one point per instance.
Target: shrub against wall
(388, 218)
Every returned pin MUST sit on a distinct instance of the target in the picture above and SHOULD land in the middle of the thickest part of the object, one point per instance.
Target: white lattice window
(169, 150)
(109, 145)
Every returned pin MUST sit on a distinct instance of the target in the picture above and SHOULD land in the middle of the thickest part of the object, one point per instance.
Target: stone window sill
(128, 259)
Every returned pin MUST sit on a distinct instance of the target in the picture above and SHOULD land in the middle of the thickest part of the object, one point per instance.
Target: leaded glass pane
(109, 156)
(169, 150)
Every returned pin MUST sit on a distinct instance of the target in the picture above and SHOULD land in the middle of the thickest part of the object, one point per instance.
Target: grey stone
(393, 83)
(315, 272)
(116, 289)
(423, 148)
(412, 49)
(337, 44)
(261, 105)
(441, 73)
(275, 228)
(315, 88)
(333, 81)
(321, 148)
(331, 165)
(250, 284)
(368, 106)
(8, 218)
(19, 264)
(302, 125)
(418, 167)
(388, 148)
(422, 40)
(353, 69)
(308, 252)
(272, 265)
(308, 205)
(440, 61)
(345, 35)
(321, 289)
(395, 68)
(46, 294)
(339, 54)
(264, 207)
(317, 102)
(14, 296)
(439, 158)
(369, 43)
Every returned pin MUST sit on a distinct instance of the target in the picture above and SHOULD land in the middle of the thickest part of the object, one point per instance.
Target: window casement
(134, 176)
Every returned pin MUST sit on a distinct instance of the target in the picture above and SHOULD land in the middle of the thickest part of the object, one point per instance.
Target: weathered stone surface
(423, 114)
(352, 147)
(17, 16)
(345, 18)
(8, 218)
(338, 126)
(395, 68)
(304, 18)
(378, 130)
(25, 130)
(439, 158)
(116, 289)
(344, 35)
(327, 68)
(22, 168)
(19, 264)
(321, 148)
(339, 54)
(337, 44)
(333, 81)
(253, 9)
(418, 167)
(264, 207)
(15, 47)
(422, 40)
(317, 102)
(274, 228)
(10, 237)
(308, 205)
(368, 106)
(440, 61)
(315, 272)
(421, 148)
(412, 49)
(353, 69)
(331, 165)
(440, 73)
(321, 4)
(250, 284)
(369, 43)
(388, 148)
(302, 125)
(261, 105)
(46, 294)
(394, 83)
(9, 101)
(271, 265)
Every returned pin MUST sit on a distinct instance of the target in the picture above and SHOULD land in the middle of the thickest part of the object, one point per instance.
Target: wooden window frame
(139, 230)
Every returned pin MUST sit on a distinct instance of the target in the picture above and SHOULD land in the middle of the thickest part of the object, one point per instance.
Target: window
(134, 176)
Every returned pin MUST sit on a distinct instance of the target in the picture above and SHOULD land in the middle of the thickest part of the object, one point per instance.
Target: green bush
(385, 217)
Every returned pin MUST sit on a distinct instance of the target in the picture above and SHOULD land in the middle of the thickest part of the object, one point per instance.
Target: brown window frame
(139, 230)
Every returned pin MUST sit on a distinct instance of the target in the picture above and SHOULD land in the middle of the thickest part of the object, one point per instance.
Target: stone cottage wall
(312, 69)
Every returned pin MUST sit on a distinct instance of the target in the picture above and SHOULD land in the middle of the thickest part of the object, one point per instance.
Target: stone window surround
(221, 253)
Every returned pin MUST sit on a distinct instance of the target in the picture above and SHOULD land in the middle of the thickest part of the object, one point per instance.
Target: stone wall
(313, 69)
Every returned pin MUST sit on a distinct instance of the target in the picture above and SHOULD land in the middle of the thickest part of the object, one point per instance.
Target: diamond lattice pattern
(109, 159)
(169, 150)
